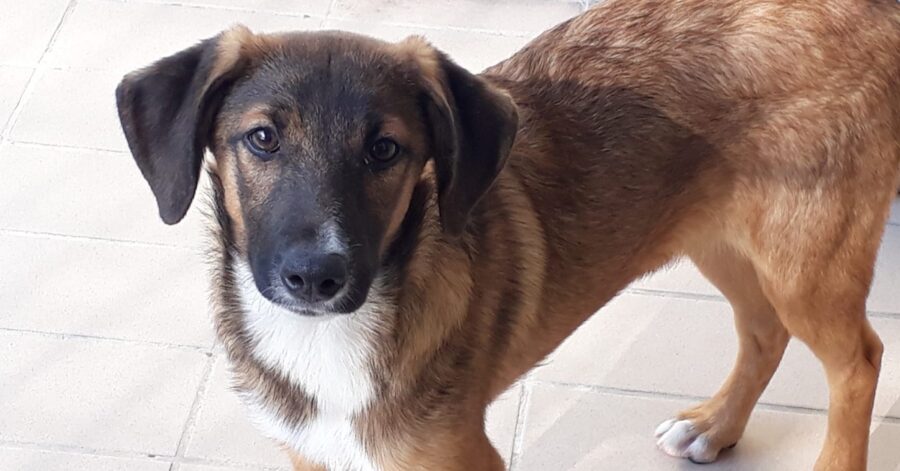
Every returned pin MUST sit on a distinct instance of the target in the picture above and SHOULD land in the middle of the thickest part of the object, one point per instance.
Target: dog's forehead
(335, 60)
(327, 72)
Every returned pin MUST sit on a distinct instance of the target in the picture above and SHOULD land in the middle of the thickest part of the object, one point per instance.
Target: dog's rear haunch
(399, 240)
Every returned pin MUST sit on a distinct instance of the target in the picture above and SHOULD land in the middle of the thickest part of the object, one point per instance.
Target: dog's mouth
(252, 298)
(276, 297)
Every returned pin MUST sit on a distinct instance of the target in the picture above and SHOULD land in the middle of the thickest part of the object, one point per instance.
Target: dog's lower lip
(304, 311)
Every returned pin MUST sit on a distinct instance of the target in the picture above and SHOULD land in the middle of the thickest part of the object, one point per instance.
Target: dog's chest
(331, 361)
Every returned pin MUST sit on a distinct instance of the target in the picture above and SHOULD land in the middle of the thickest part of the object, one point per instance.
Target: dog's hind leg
(700, 433)
(821, 299)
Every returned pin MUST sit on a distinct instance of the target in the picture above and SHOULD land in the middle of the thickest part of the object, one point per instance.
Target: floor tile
(95, 394)
(501, 421)
(685, 278)
(883, 297)
(680, 277)
(305, 7)
(26, 29)
(72, 108)
(12, 84)
(16, 459)
(222, 431)
(895, 212)
(687, 347)
(88, 193)
(206, 467)
(577, 429)
(97, 32)
(95, 288)
(503, 15)
(474, 51)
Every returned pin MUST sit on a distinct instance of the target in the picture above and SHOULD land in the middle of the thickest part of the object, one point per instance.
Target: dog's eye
(384, 150)
(263, 142)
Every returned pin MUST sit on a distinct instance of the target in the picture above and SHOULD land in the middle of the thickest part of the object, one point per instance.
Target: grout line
(32, 79)
(188, 430)
(521, 417)
(459, 29)
(675, 294)
(883, 315)
(68, 146)
(82, 450)
(644, 394)
(100, 338)
(84, 238)
(327, 16)
(328, 10)
(721, 299)
(204, 6)
(125, 454)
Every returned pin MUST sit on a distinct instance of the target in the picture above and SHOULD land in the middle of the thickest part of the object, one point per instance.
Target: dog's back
(708, 107)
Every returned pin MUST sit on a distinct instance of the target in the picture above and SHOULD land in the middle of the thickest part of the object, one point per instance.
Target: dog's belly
(329, 359)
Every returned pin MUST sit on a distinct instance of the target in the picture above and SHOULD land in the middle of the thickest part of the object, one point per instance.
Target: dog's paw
(681, 439)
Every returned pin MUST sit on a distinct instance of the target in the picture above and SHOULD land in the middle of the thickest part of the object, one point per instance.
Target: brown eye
(384, 150)
(263, 142)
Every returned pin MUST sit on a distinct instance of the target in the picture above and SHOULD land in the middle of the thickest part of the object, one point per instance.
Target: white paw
(680, 439)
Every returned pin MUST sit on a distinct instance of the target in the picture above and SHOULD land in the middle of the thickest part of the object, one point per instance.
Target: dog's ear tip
(171, 215)
(240, 28)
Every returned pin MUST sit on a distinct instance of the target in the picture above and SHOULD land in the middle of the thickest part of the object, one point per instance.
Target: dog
(397, 240)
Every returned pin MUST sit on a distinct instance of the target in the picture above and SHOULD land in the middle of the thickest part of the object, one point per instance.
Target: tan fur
(300, 464)
(744, 135)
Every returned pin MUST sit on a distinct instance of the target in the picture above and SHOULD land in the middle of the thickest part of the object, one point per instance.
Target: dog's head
(319, 140)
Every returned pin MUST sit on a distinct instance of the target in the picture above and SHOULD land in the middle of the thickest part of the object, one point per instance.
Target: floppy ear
(473, 128)
(167, 112)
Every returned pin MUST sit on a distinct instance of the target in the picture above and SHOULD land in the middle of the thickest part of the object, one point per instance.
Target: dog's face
(319, 140)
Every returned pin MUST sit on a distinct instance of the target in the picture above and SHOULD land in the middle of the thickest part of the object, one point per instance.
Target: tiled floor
(108, 359)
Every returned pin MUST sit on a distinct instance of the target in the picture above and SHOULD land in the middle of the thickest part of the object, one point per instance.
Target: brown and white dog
(399, 240)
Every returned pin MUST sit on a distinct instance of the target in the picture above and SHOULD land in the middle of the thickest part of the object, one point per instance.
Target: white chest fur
(330, 359)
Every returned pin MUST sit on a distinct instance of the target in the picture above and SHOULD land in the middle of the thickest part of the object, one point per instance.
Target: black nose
(314, 277)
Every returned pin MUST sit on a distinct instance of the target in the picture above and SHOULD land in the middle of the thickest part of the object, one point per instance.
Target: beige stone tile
(222, 431)
(17, 459)
(501, 421)
(577, 429)
(72, 108)
(681, 277)
(474, 51)
(125, 36)
(26, 29)
(529, 16)
(648, 343)
(800, 379)
(886, 285)
(95, 394)
(687, 347)
(685, 278)
(76, 286)
(87, 193)
(12, 84)
(205, 467)
(296, 8)
(209, 467)
(895, 212)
